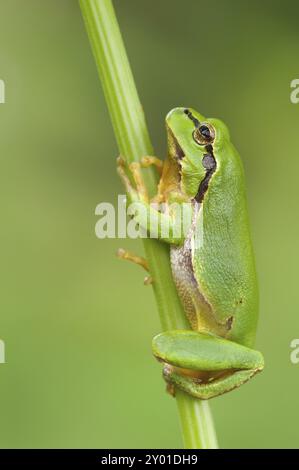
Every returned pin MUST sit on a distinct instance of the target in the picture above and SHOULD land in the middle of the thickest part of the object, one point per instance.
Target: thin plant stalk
(134, 142)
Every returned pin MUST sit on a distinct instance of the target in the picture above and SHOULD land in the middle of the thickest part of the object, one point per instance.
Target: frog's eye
(204, 134)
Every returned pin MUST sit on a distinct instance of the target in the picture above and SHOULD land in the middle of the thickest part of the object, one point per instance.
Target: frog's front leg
(159, 222)
(152, 161)
(203, 365)
(135, 169)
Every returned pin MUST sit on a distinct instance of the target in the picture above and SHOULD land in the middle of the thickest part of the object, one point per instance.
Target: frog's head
(192, 141)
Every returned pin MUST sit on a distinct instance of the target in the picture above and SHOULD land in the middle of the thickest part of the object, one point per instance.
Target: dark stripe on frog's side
(210, 169)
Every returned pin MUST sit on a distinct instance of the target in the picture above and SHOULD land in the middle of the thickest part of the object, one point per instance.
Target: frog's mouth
(176, 150)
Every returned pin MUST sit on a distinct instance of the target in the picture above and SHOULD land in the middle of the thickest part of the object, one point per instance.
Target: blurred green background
(78, 323)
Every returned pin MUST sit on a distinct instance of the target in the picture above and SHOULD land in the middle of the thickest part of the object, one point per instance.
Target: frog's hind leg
(203, 365)
(204, 391)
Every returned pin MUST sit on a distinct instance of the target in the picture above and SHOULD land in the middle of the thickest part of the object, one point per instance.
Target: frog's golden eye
(204, 134)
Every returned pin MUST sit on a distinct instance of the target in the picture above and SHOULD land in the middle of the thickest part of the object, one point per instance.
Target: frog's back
(223, 261)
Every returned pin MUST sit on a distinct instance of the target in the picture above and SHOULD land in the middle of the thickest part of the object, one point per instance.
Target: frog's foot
(170, 388)
(122, 171)
(140, 191)
(203, 365)
(148, 280)
(214, 386)
(147, 161)
(127, 255)
(135, 169)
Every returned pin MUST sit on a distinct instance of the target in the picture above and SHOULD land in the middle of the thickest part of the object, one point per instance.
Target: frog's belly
(197, 309)
(182, 272)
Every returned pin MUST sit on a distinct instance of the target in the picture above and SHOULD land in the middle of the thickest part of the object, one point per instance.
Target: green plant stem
(134, 142)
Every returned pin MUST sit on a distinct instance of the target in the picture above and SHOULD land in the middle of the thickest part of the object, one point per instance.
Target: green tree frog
(215, 278)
